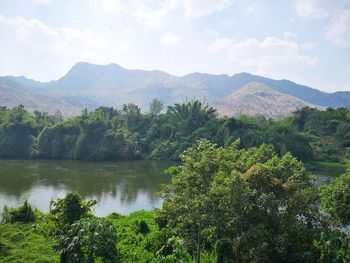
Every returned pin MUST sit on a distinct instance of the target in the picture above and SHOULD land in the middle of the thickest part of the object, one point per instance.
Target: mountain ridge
(114, 85)
(256, 99)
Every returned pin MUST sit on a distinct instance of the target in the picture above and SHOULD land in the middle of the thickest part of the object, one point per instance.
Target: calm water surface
(122, 187)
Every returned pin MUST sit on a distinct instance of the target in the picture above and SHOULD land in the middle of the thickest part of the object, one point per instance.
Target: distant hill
(89, 85)
(257, 99)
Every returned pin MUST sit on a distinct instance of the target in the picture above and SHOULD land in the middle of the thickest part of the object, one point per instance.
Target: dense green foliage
(227, 202)
(250, 197)
(24, 214)
(22, 243)
(224, 204)
(81, 237)
(329, 131)
(110, 134)
(336, 198)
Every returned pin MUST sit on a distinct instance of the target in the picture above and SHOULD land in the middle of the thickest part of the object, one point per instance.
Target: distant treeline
(110, 134)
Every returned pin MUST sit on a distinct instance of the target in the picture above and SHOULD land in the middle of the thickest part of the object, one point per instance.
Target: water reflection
(117, 186)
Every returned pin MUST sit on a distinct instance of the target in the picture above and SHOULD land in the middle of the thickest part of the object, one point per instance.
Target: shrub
(140, 226)
(23, 214)
(224, 250)
(71, 208)
(336, 198)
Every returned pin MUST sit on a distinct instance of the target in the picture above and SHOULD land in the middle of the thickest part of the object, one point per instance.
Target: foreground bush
(23, 214)
(81, 236)
(336, 198)
(250, 204)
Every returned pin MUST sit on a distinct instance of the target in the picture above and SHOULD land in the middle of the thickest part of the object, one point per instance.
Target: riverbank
(26, 242)
(326, 166)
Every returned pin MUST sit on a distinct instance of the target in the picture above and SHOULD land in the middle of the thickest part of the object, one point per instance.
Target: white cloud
(290, 35)
(151, 14)
(220, 44)
(122, 46)
(308, 45)
(252, 7)
(43, 2)
(170, 39)
(338, 30)
(315, 9)
(336, 12)
(273, 56)
(61, 47)
(112, 5)
(36, 34)
(199, 8)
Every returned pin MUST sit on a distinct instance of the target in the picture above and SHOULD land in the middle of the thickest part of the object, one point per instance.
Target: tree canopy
(127, 133)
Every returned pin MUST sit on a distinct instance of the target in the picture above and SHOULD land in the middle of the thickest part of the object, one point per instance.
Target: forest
(164, 133)
(228, 204)
(240, 191)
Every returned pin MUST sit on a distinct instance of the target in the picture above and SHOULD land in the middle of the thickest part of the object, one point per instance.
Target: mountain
(89, 77)
(34, 99)
(257, 99)
(310, 95)
(90, 85)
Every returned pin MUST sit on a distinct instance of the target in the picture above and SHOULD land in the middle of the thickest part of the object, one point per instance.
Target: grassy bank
(23, 242)
(326, 166)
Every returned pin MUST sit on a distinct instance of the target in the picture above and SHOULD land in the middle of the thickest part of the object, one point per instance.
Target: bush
(335, 198)
(140, 226)
(23, 214)
(71, 208)
(3, 249)
(224, 250)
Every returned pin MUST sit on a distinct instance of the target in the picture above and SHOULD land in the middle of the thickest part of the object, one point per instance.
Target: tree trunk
(63, 258)
(198, 259)
(91, 258)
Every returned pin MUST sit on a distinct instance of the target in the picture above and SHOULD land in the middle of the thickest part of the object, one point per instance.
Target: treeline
(110, 134)
(223, 205)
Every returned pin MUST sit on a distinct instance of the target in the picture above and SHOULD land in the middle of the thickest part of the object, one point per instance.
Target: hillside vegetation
(256, 99)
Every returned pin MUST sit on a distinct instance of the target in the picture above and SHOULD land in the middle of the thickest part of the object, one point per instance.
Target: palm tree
(189, 116)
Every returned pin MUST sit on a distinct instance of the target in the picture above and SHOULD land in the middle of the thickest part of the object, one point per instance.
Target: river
(122, 187)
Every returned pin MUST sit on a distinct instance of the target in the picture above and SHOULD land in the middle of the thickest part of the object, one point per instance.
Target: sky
(306, 41)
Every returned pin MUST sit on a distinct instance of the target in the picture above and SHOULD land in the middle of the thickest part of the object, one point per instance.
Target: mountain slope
(39, 99)
(115, 80)
(86, 77)
(311, 95)
(257, 99)
(89, 85)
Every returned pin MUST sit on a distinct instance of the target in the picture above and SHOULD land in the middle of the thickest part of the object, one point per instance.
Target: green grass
(326, 165)
(131, 245)
(21, 243)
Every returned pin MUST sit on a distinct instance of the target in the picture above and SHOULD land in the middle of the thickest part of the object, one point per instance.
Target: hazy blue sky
(307, 41)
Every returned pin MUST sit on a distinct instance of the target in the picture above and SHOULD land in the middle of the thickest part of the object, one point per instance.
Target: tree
(336, 198)
(131, 115)
(260, 202)
(23, 214)
(17, 133)
(155, 107)
(71, 208)
(191, 115)
(68, 211)
(88, 239)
